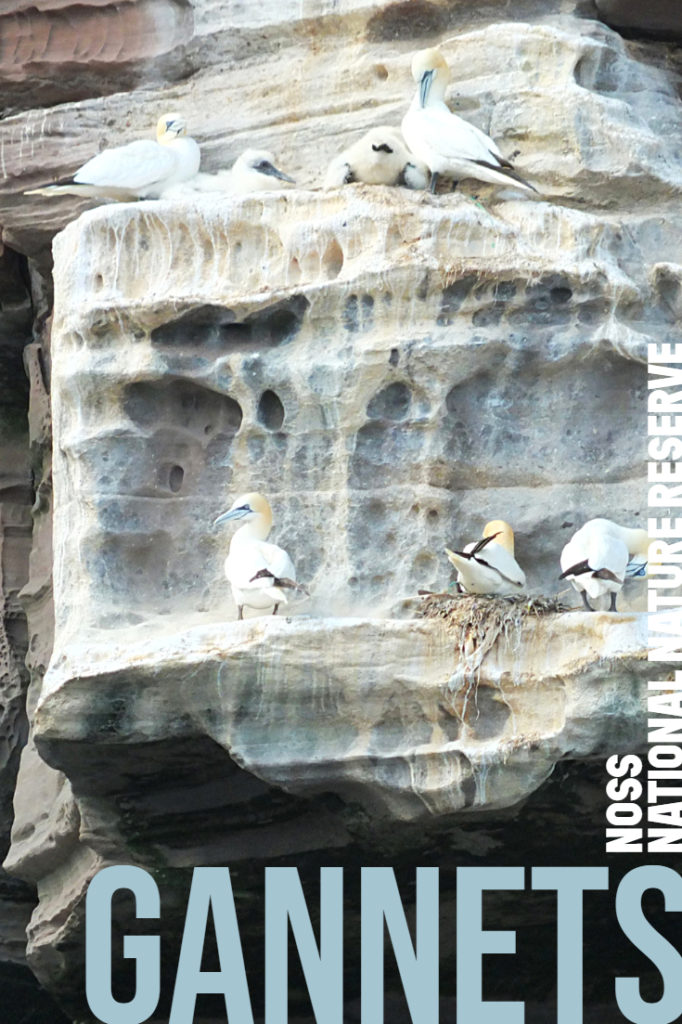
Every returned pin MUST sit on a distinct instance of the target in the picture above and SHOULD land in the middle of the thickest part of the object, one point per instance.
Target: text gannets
(138, 170)
(380, 157)
(446, 143)
(488, 566)
(259, 572)
(600, 555)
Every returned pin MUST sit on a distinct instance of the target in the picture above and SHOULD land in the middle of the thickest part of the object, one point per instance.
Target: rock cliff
(392, 369)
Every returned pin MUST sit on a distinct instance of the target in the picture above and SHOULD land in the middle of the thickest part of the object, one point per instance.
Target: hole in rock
(217, 326)
(381, 72)
(270, 411)
(175, 478)
(183, 404)
(394, 357)
(391, 403)
(453, 297)
(333, 259)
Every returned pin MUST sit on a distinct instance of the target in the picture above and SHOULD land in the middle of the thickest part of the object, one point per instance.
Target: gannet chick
(138, 170)
(600, 555)
(380, 157)
(258, 572)
(488, 566)
(447, 144)
(255, 171)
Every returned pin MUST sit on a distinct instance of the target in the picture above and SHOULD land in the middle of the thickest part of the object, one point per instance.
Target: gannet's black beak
(267, 168)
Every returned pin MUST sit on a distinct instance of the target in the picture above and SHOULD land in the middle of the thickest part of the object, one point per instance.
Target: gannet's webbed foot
(240, 612)
(586, 602)
(274, 610)
(612, 606)
(434, 182)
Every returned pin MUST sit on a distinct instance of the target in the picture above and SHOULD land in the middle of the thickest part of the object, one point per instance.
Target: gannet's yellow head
(169, 127)
(505, 534)
(428, 67)
(638, 543)
(249, 507)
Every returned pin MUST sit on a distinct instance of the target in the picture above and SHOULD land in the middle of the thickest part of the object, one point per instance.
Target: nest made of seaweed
(477, 621)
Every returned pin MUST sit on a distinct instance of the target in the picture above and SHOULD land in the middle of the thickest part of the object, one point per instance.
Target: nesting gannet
(258, 572)
(600, 555)
(253, 171)
(488, 566)
(446, 143)
(138, 170)
(380, 157)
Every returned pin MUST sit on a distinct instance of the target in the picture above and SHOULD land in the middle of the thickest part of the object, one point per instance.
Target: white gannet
(380, 157)
(446, 143)
(253, 171)
(600, 555)
(488, 566)
(138, 170)
(258, 572)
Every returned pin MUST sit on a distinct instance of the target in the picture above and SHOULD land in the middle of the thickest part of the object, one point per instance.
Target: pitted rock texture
(393, 370)
(392, 378)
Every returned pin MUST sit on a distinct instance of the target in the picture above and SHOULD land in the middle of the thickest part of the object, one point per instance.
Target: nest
(476, 623)
(478, 620)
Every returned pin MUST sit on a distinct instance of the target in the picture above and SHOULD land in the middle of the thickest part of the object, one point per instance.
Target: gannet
(446, 143)
(600, 555)
(488, 566)
(138, 170)
(253, 171)
(258, 572)
(380, 157)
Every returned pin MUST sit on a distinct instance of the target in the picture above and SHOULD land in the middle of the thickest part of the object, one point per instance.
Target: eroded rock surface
(393, 369)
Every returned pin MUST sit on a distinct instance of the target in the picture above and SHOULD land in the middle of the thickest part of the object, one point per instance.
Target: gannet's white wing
(136, 166)
(595, 549)
(455, 139)
(501, 561)
(246, 560)
(492, 570)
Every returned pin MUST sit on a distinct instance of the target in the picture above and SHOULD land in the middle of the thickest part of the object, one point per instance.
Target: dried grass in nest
(477, 622)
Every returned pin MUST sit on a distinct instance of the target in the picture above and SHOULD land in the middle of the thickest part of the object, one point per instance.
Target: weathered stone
(662, 19)
(393, 370)
(106, 46)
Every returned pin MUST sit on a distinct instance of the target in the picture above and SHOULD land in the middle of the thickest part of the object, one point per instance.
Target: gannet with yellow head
(600, 555)
(380, 157)
(138, 170)
(259, 572)
(488, 566)
(448, 144)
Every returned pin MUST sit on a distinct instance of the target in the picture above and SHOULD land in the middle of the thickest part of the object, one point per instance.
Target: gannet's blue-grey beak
(425, 86)
(232, 513)
(265, 167)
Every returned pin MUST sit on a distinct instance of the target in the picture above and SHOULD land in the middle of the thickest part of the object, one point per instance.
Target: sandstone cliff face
(392, 368)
